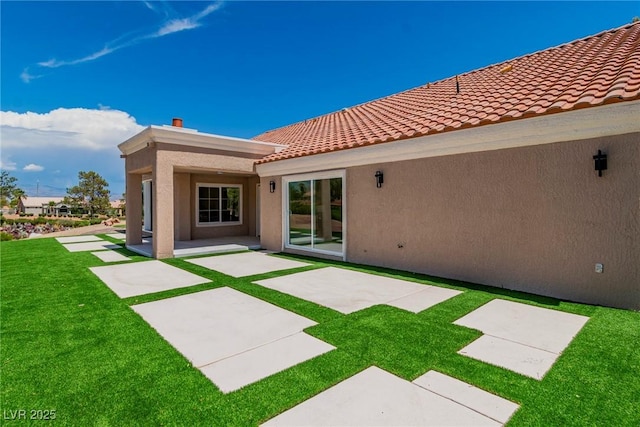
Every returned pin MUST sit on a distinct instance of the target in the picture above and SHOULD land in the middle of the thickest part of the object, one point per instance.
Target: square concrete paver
(98, 245)
(347, 291)
(467, 395)
(78, 239)
(246, 263)
(110, 256)
(520, 337)
(235, 339)
(375, 397)
(146, 277)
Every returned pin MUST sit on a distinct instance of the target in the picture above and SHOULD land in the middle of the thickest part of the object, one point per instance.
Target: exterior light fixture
(600, 160)
(272, 186)
(379, 178)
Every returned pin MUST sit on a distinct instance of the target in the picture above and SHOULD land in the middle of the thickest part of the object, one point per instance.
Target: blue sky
(77, 78)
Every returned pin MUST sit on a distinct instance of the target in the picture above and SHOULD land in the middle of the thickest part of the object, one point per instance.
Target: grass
(69, 344)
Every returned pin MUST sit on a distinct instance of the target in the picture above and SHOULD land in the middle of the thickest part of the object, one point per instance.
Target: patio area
(201, 246)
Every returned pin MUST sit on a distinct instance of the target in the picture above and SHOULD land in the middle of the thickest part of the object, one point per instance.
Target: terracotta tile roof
(596, 70)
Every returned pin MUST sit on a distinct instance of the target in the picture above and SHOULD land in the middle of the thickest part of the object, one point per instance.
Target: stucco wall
(271, 214)
(535, 219)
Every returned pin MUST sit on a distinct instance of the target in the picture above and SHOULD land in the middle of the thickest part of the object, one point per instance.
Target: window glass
(218, 204)
(315, 214)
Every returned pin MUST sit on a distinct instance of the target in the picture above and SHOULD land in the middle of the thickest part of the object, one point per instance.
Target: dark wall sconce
(600, 160)
(379, 178)
(272, 186)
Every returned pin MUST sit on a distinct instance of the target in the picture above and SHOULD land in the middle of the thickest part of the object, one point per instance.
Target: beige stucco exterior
(516, 205)
(175, 171)
(535, 219)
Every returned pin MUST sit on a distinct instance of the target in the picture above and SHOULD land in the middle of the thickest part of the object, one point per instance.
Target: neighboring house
(43, 205)
(116, 208)
(488, 177)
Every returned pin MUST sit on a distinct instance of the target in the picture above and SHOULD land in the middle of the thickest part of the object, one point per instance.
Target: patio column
(134, 208)
(162, 189)
(182, 206)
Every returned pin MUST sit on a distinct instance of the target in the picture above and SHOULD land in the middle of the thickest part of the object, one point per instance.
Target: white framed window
(218, 204)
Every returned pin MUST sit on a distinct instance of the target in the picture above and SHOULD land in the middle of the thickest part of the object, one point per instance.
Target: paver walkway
(235, 339)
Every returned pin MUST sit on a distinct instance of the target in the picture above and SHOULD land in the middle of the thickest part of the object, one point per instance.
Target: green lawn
(70, 345)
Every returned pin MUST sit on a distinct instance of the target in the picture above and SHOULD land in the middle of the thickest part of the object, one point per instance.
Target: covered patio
(201, 246)
(194, 192)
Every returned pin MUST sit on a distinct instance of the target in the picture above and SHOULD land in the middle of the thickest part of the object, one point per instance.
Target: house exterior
(43, 206)
(488, 177)
(116, 208)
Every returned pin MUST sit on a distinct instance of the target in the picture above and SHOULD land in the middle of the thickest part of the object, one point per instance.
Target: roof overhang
(614, 119)
(191, 138)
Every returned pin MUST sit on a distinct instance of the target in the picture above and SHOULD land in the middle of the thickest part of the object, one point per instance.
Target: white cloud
(26, 77)
(169, 26)
(176, 25)
(54, 63)
(7, 165)
(32, 167)
(78, 128)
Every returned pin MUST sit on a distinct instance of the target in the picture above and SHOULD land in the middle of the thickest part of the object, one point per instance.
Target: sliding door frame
(314, 176)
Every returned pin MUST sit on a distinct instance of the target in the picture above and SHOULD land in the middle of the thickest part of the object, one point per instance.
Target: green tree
(91, 193)
(123, 204)
(16, 195)
(7, 186)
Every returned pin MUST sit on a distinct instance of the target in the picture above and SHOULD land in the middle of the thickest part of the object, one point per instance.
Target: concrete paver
(212, 325)
(375, 397)
(520, 337)
(520, 358)
(110, 256)
(538, 327)
(146, 277)
(245, 368)
(246, 263)
(120, 236)
(233, 338)
(78, 239)
(424, 299)
(467, 395)
(97, 245)
(343, 290)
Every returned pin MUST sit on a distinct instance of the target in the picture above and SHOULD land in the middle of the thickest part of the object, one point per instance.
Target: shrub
(4, 237)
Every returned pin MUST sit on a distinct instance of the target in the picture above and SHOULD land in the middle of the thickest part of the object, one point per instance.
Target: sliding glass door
(315, 213)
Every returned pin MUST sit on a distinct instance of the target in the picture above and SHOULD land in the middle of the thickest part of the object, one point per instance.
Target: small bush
(4, 237)
(66, 223)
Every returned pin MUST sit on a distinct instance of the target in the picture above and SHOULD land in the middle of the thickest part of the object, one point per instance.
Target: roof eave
(190, 138)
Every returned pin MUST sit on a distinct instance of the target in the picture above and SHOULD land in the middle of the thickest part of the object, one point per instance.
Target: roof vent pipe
(176, 122)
